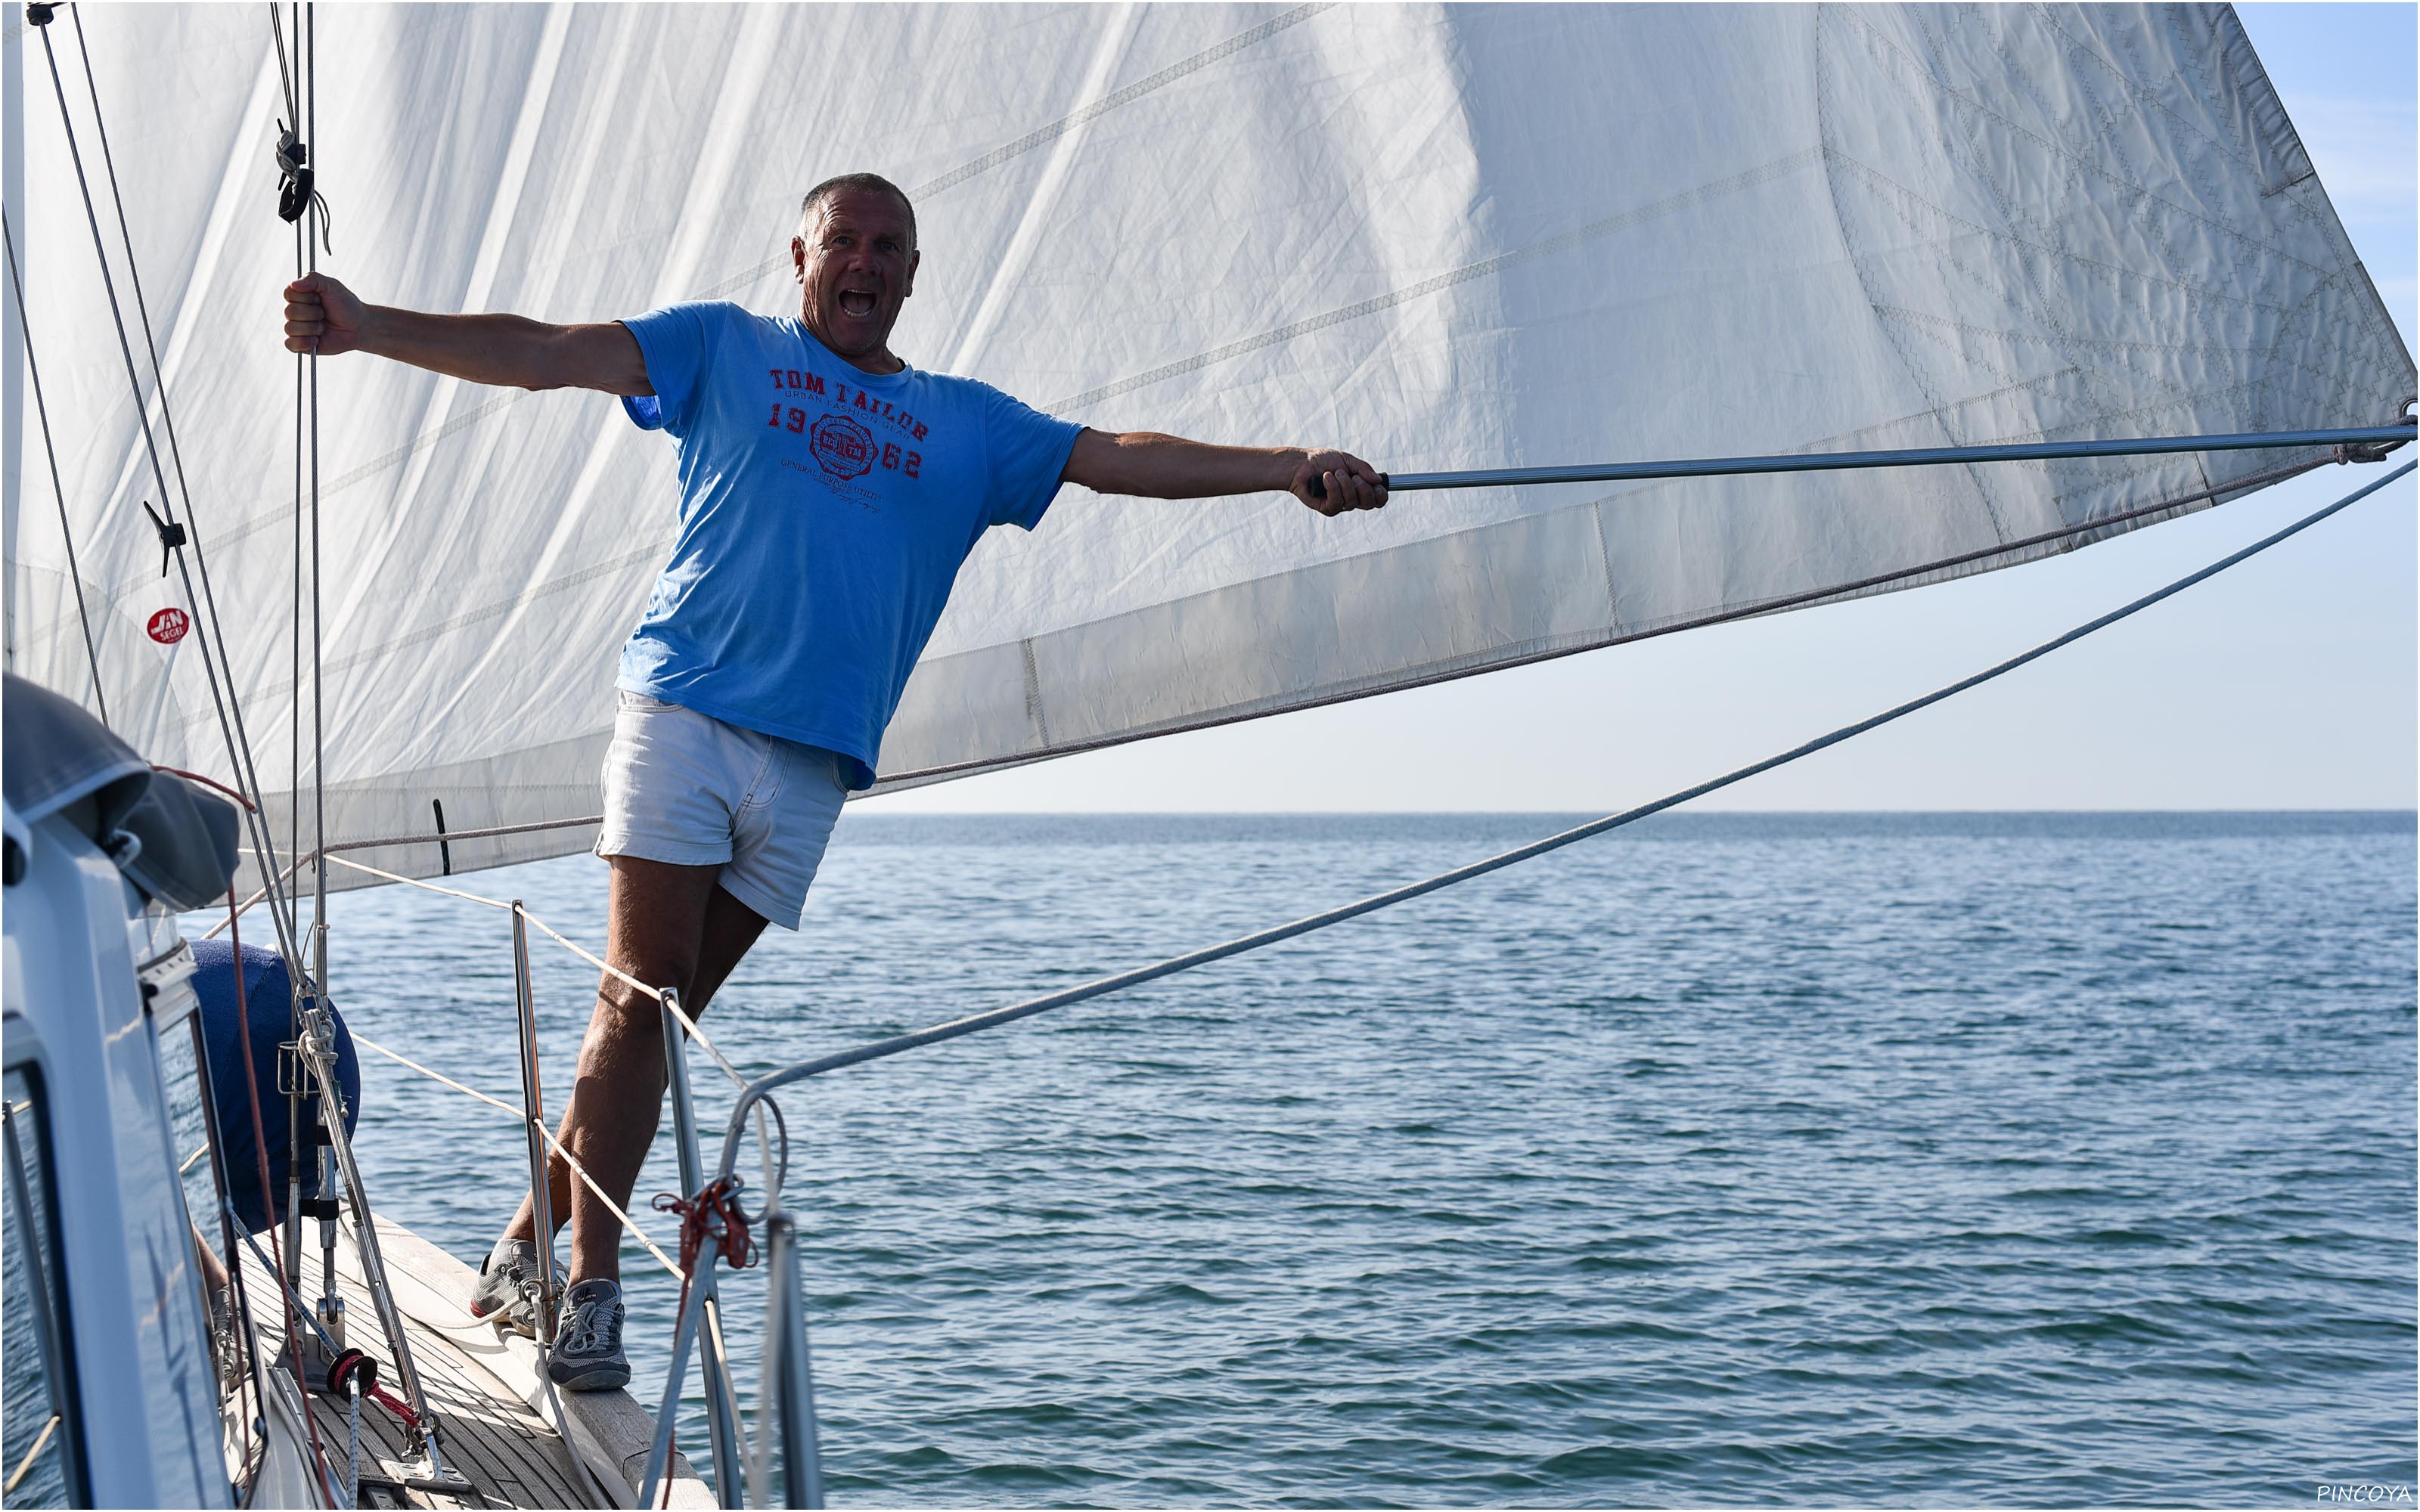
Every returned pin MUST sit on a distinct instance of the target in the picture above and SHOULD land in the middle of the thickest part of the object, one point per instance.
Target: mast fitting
(172, 535)
(297, 190)
(293, 164)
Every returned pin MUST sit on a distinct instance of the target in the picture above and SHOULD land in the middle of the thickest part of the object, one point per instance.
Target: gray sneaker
(587, 1353)
(506, 1294)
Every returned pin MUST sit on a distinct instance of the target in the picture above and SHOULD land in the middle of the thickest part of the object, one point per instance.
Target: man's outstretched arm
(1151, 466)
(324, 317)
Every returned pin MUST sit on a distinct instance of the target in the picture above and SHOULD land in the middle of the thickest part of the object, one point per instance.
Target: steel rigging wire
(294, 669)
(175, 535)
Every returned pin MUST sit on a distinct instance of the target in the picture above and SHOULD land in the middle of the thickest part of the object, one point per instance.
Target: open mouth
(856, 302)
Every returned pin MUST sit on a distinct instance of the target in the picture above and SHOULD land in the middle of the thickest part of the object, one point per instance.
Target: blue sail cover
(268, 998)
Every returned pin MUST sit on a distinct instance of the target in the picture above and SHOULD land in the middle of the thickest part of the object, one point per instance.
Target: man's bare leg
(668, 926)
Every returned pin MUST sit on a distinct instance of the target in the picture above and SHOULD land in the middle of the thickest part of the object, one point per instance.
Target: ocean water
(2039, 1159)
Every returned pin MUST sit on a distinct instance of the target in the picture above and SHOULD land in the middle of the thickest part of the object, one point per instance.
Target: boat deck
(498, 1428)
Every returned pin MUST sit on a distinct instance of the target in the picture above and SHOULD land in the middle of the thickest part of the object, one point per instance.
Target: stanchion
(533, 1113)
(721, 1427)
(785, 1333)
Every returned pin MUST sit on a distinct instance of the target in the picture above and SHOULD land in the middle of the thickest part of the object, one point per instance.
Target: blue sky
(2286, 684)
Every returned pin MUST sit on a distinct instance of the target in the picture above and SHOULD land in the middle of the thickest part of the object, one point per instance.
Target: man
(828, 493)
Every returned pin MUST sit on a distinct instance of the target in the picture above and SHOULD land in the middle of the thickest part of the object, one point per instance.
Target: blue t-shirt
(824, 515)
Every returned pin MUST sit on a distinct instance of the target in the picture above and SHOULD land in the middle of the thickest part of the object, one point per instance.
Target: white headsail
(1444, 237)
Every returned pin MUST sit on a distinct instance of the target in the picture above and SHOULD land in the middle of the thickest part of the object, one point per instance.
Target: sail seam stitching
(1565, 241)
(1892, 337)
(1604, 560)
(1043, 135)
(2082, 162)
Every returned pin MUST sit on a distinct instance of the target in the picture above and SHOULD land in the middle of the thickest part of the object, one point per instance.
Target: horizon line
(1767, 813)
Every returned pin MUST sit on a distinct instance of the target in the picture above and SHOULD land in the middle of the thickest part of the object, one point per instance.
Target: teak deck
(496, 1423)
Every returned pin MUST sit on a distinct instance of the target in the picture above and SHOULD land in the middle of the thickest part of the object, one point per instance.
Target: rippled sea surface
(1731, 1159)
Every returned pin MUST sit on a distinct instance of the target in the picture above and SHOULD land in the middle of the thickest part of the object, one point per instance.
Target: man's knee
(633, 1008)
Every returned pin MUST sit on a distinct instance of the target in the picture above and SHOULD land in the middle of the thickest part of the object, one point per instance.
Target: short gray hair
(872, 183)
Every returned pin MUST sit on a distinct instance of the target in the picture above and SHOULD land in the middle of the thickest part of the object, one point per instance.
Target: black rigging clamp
(297, 191)
(294, 162)
(172, 535)
(40, 15)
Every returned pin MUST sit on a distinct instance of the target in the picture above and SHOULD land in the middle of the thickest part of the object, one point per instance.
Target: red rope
(396, 1405)
(713, 1213)
(353, 1370)
(206, 781)
(713, 1216)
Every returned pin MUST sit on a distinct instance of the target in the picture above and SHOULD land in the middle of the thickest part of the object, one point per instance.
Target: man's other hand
(322, 316)
(1334, 482)
(1146, 465)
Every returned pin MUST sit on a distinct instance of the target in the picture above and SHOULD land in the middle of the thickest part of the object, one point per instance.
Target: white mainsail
(1442, 238)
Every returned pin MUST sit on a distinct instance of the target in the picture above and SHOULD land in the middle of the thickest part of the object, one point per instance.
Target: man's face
(855, 262)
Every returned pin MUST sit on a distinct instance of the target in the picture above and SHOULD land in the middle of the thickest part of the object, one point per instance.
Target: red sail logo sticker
(168, 626)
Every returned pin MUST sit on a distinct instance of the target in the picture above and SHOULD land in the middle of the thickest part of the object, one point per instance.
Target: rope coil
(352, 1370)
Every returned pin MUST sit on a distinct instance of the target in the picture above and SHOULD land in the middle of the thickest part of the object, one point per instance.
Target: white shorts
(686, 788)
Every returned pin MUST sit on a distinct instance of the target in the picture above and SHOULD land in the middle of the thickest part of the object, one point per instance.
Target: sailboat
(2045, 276)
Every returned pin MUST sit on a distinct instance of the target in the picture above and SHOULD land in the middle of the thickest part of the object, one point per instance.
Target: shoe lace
(595, 1327)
